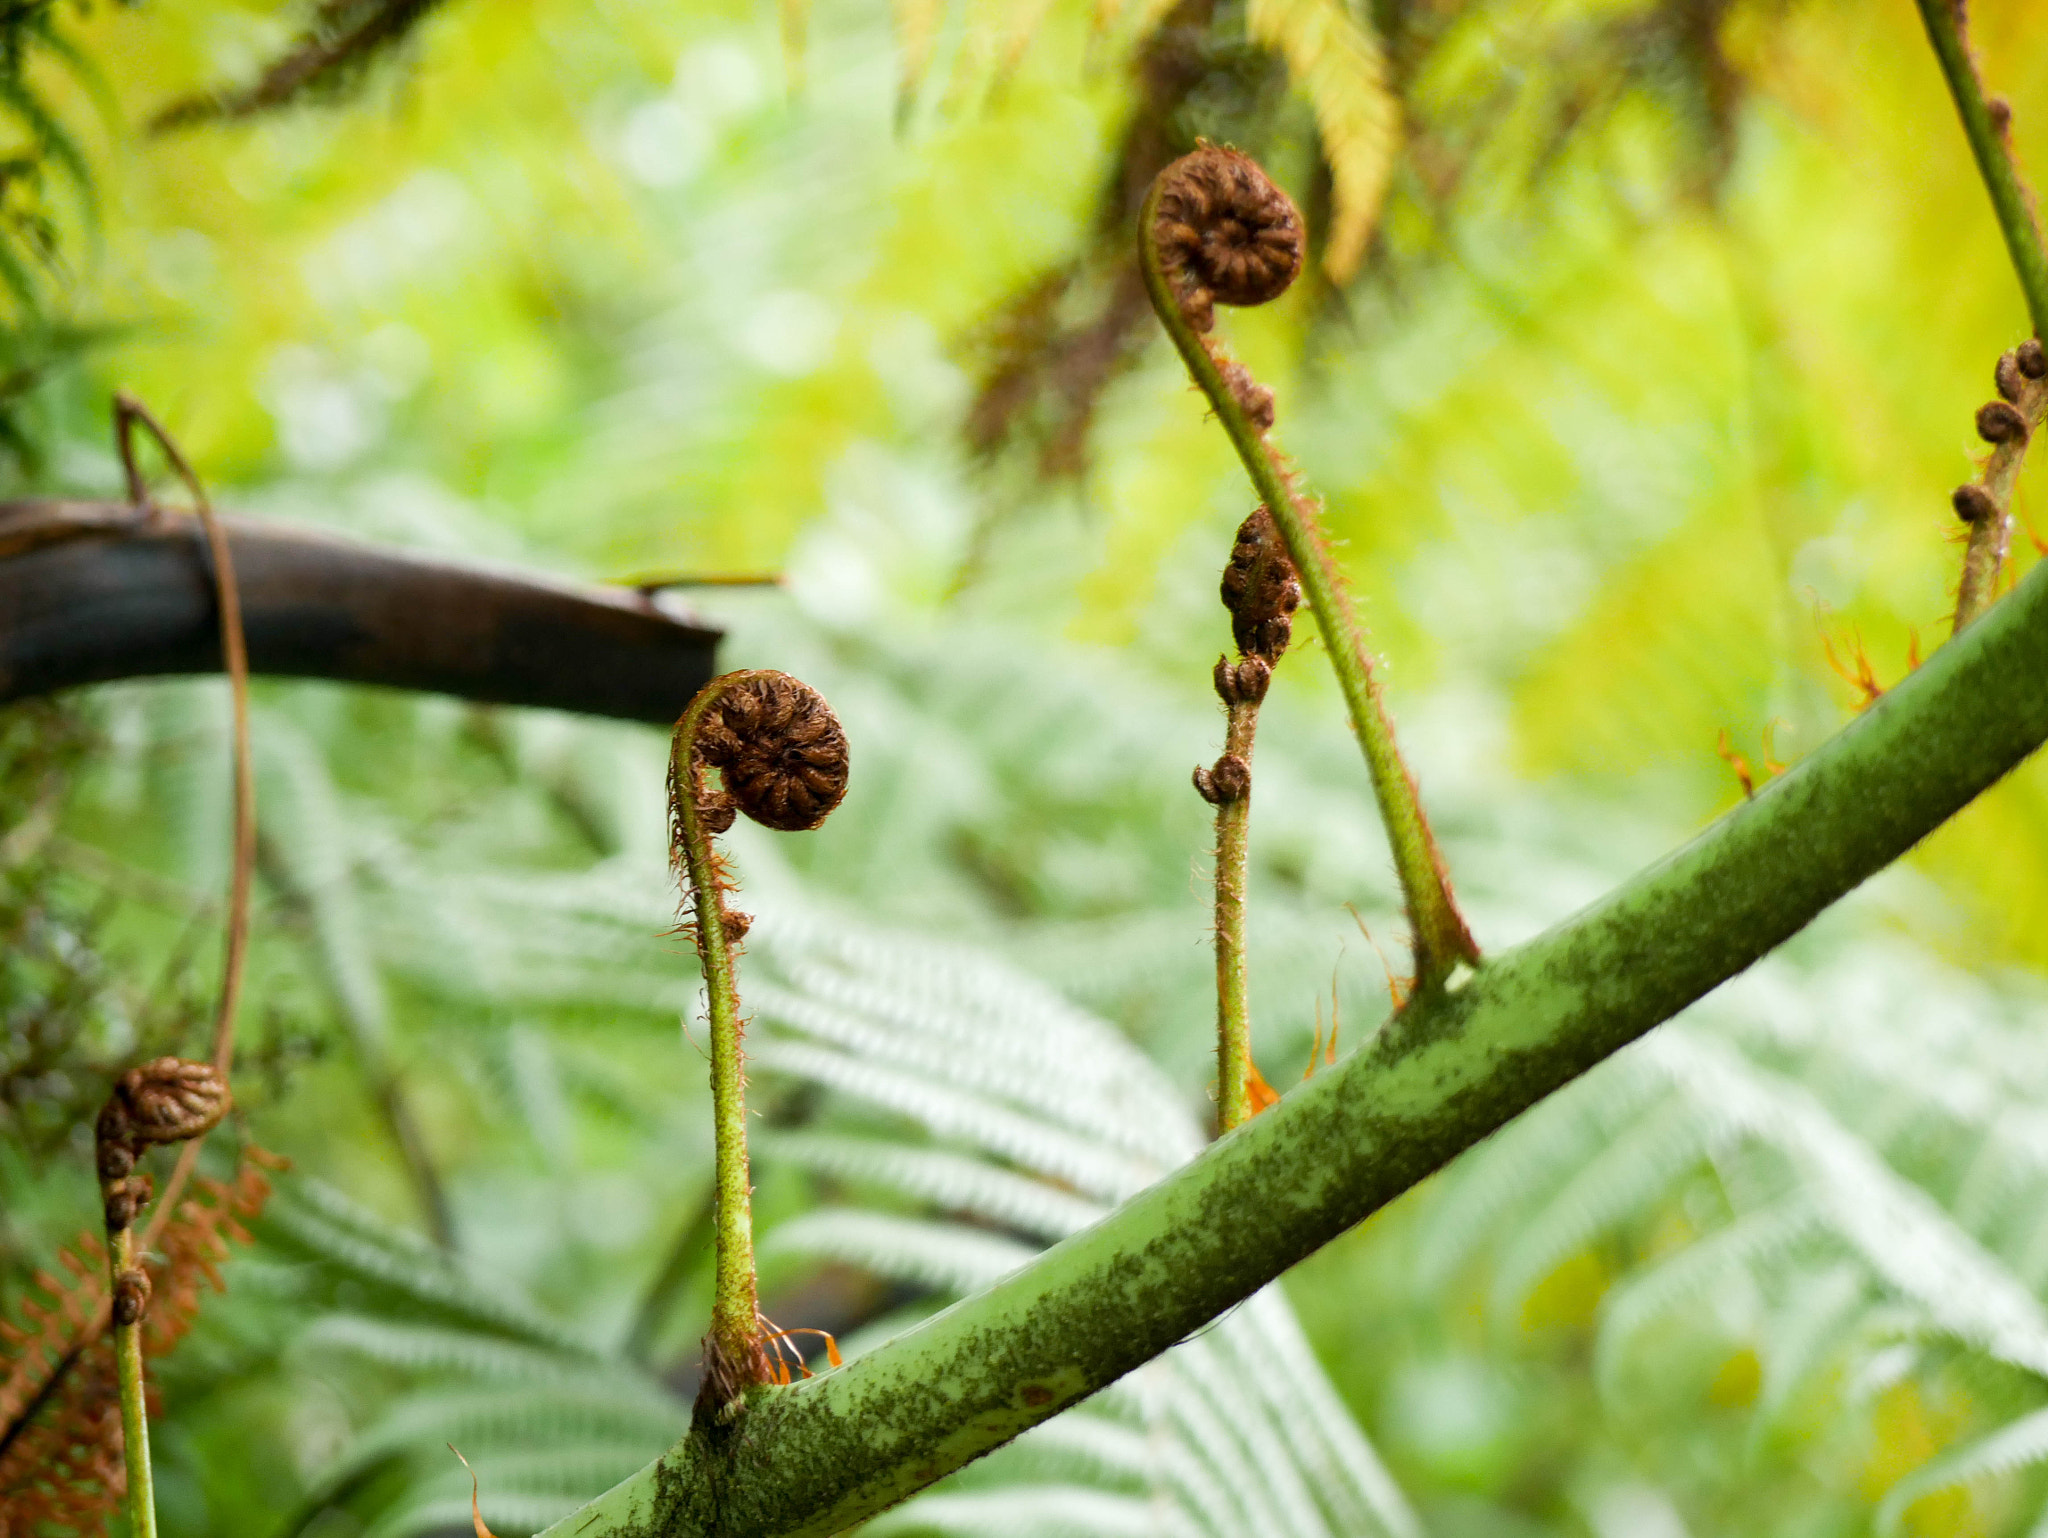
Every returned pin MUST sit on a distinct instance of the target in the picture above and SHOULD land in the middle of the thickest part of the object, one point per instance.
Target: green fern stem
(735, 1303)
(2009, 199)
(1233, 981)
(1441, 938)
(134, 1406)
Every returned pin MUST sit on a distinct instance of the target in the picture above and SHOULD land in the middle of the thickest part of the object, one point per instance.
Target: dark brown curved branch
(93, 591)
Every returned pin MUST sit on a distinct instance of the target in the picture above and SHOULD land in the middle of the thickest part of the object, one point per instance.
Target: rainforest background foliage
(1637, 361)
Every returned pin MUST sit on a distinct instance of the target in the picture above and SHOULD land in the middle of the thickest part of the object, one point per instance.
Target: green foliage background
(1654, 383)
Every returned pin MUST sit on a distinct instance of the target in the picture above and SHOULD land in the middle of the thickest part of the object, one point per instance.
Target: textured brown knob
(780, 749)
(1225, 234)
(1261, 589)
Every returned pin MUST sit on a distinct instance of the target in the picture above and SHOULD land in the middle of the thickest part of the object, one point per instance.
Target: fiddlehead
(167, 1100)
(1215, 230)
(782, 759)
(1261, 591)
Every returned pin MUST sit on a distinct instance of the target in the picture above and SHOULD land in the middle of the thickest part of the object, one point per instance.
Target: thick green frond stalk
(1453, 1067)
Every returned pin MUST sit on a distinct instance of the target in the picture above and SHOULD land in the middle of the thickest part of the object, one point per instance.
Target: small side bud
(2033, 359)
(2009, 379)
(1973, 503)
(717, 814)
(736, 924)
(1261, 589)
(2001, 422)
(1228, 779)
(1254, 676)
(1999, 110)
(131, 1296)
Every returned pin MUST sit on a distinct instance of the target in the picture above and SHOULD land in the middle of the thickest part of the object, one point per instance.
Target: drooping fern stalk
(782, 758)
(1215, 230)
(1261, 592)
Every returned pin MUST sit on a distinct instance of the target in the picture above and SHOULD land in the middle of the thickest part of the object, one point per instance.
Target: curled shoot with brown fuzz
(1215, 230)
(1261, 591)
(781, 758)
(1985, 504)
(168, 1100)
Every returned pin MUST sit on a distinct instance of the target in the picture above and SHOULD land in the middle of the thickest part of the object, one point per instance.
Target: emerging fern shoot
(168, 1100)
(782, 758)
(1214, 229)
(1261, 591)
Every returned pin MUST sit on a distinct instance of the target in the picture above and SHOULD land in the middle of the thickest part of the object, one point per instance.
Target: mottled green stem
(1233, 981)
(134, 1408)
(735, 1313)
(1440, 937)
(1453, 1067)
(2009, 198)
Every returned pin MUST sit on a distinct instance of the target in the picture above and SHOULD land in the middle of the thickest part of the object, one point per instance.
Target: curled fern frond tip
(2032, 358)
(1224, 232)
(779, 748)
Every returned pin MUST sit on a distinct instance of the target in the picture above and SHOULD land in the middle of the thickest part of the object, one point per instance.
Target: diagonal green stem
(2009, 199)
(735, 1327)
(1441, 938)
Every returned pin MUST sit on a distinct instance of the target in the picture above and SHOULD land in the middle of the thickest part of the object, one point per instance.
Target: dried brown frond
(331, 56)
(61, 1467)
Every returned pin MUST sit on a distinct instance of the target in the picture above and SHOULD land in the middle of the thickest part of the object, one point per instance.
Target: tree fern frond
(323, 1223)
(941, 1255)
(945, 1180)
(1335, 61)
(1530, 1158)
(956, 1115)
(1803, 1335)
(1899, 1231)
(1268, 1346)
(1623, 1178)
(2018, 1444)
(1049, 1511)
(425, 1348)
(1741, 1249)
(486, 1420)
(451, 1513)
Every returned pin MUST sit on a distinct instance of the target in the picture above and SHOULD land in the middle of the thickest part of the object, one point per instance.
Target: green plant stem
(735, 1303)
(1454, 1066)
(134, 1408)
(2009, 199)
(1233, 982)
(1440, 937)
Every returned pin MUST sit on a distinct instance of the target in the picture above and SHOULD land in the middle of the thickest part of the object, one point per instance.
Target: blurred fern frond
(340, 44)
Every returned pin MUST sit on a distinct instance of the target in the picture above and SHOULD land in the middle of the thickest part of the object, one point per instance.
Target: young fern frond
(1214, 230)
(782, 760)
